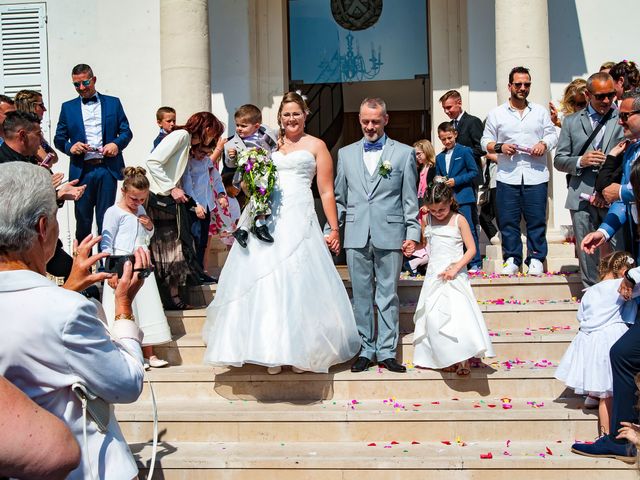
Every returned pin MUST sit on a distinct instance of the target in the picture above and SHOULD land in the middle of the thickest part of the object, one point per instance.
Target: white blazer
(168, 161)
(52, 338)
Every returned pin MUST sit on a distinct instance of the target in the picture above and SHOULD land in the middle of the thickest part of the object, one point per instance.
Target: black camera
(115, 264)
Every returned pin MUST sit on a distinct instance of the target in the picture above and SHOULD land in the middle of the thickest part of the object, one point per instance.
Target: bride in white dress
(284, 303)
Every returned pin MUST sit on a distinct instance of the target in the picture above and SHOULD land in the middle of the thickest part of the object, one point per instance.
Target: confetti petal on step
(508, 443)
(416, 443)
(549, 452)
(417, 404)
(491, 405)
(446, 442)
(435, 403)
(372, 445)
(506, 453)
(394, 443)
(486, 456)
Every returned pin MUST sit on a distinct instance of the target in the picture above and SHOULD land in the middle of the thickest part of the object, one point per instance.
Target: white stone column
(184, 56)
(522, 39)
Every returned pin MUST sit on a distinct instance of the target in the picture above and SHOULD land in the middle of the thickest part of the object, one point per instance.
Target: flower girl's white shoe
(274, 370)
(297, 370)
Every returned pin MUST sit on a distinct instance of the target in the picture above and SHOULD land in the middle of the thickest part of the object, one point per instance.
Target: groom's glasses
(84, 83)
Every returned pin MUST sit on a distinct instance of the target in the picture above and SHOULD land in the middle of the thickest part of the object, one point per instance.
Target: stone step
(548, 314)
(550, 287)
(189, 349)
(346, 421)
(384, 461)
(528, 379)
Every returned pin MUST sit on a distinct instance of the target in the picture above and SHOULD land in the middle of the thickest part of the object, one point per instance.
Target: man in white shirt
(521, 133)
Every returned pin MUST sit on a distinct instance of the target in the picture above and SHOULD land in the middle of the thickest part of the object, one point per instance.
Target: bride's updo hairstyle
(135, 177)
(290, 97)
(440, 192)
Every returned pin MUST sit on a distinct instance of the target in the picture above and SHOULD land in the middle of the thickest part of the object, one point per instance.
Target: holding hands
(333, 242)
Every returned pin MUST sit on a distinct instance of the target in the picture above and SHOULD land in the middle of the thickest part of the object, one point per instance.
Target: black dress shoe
(262, 233)
(241, 237)
(392, 365)
(207, 279)
(361, 364)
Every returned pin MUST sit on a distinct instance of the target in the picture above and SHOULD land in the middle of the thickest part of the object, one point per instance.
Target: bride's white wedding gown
(283, 303)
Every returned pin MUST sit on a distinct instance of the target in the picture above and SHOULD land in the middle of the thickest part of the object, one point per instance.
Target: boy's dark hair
(440, 192)
(446, 127)
(515, 70)
(248, 112)
(629, 73)
(16, 121)
(6, 99)
(162, 110)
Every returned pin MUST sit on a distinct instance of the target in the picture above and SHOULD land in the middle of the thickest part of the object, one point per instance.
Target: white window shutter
(23, 51)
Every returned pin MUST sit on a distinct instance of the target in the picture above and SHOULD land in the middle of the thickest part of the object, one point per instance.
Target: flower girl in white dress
(449, 327)
(585, 366)
(126, 227)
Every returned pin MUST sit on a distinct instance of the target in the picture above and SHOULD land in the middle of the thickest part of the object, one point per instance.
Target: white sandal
(274, 370)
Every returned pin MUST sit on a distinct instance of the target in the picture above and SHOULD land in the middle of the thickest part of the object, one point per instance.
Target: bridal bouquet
(259, 176)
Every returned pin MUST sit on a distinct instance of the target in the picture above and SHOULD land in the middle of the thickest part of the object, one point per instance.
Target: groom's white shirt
(371, 160)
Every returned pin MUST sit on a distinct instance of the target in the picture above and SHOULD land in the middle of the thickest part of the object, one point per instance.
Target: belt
(94, 161)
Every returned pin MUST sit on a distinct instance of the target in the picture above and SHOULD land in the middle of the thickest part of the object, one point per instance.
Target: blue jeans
(625, 365)
(470, 212)
(100, 194)
(514, 202)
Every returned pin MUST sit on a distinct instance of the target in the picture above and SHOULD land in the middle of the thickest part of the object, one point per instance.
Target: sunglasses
(84, 83)
(522, 84)
(601, 96)
(624, 116)
(580, 104)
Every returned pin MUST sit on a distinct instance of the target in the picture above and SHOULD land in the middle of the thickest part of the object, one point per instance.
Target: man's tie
(455, 124)
(373, 147)
(90, 100)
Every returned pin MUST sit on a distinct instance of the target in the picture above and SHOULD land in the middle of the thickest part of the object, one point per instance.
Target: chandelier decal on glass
(351, 67)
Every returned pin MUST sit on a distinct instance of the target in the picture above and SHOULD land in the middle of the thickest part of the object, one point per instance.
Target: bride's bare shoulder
(315, 144)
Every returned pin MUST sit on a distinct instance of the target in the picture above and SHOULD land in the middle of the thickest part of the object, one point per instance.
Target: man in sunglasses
(625, 353)
(586, 138)
(93, 130)
(521, 133)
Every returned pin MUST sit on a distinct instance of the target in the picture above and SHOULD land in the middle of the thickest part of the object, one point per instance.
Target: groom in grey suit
(582, 164)
(375, 191)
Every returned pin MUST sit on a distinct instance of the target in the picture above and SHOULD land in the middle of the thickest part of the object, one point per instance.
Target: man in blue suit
(458, 165)
(625, 353)
(93, 130)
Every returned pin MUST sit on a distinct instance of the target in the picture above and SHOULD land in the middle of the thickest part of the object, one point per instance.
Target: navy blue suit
(463, 170)
(100, 179)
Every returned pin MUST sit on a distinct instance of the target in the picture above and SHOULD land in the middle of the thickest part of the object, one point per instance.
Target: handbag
(167, 203)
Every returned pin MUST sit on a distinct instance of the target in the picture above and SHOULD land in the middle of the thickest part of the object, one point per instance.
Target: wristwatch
(498, 147)
(629, 278)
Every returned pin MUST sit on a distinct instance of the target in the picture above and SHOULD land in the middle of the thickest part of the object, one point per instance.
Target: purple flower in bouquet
(248, 166)
(262, 191)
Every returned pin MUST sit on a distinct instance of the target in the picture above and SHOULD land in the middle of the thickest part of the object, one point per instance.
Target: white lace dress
(283, 303)
(449, 326)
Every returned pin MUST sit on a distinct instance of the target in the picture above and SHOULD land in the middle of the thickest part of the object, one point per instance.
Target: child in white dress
(585, 366)
(449, 327)
(126, 227)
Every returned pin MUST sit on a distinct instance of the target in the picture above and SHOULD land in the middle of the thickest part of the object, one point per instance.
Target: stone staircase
(509, 420)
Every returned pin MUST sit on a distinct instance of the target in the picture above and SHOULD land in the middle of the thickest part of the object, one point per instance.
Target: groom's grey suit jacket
(384, 208)
(576, 129)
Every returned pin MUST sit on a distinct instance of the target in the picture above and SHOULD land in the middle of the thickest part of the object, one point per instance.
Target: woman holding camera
(126, 227)
(53, 338)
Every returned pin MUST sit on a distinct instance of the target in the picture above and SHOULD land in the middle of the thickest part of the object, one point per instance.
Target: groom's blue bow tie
(373, 147)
